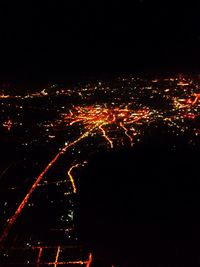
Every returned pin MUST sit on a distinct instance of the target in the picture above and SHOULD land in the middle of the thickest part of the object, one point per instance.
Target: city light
(124, 110)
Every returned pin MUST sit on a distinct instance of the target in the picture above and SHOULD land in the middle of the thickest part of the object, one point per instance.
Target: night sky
(62, 39)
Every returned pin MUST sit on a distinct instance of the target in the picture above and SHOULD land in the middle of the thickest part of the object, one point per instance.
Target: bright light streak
(39, 256)
(105, 135)
(57, 256)
(87, 263)
(71, 177)
(12, 220)
(89, 260)
(197, 96)
(126, 133)
(94, 118)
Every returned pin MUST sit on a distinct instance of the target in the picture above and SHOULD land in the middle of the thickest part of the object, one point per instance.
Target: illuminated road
(94, 118)
(111, 124)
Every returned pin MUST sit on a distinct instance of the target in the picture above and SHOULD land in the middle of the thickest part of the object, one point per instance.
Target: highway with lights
(52, 132)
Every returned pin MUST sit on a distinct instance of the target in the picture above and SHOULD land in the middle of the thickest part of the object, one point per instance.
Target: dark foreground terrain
(143, 207)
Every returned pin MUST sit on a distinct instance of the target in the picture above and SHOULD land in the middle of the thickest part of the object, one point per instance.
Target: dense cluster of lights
(108, 121)
(96, 119)
(102, 118)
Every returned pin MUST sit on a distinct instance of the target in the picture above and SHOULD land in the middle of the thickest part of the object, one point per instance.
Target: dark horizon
(55, 40)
